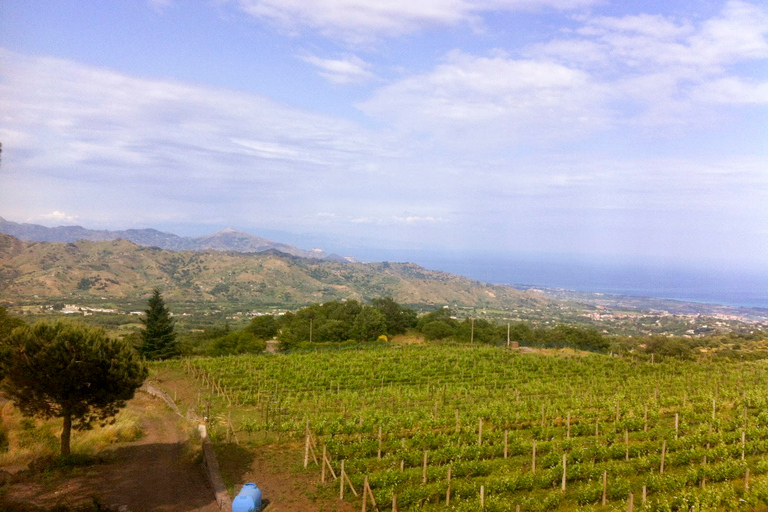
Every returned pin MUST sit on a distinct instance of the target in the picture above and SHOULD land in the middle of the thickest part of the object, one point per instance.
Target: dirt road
(155, 474)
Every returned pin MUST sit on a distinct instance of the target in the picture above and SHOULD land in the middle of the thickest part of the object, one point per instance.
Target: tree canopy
(70, 371)
(158, 339)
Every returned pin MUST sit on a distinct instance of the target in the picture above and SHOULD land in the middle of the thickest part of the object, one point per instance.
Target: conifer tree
(69, 371)
(158, 339)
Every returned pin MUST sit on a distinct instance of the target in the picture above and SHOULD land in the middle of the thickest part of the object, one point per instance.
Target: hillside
(224, 240)
(120, 270)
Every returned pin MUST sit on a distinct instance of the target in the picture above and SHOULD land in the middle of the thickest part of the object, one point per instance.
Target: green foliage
(8, 323)
(158, 339)
(340, 321)
(264, 327)
(668, 346)
(238, 342)
(70, 371)
(437, 330)
(369, 324)
(398, 319)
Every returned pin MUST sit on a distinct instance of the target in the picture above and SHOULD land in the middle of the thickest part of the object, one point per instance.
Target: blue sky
(633, 130)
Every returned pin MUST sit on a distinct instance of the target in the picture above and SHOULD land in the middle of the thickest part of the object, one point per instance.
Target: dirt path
(156, 473)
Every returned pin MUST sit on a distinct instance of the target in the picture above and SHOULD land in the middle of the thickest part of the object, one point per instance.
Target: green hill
(122, 271)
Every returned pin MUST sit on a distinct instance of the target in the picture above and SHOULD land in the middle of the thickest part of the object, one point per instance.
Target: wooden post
(663, 454)
(617, 411)
(626, 444)
(563, 485)
(482, 497)
(394, 503)
(605, 486)
(365, 492)
(367, 489)
(645, 419)
(746, 480)
(341, 489)
(379, 441)
(743, 444)
(322, 471)
(402, 465)
(327, 462)
(306, 450)
(424, 471)
(631, 504)
(533, 459)
(597, 428)
(480, 433)
(568, 423)
(645, 494)
(713, 409)
(677, 426)
(448, 492)
(506, 444)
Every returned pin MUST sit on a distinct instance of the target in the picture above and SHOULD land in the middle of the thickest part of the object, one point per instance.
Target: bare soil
(157, 473)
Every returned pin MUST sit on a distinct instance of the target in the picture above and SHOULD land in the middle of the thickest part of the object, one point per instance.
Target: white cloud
(54, 216)
(160, 5)
(511, 99)
(356, 20)
(166, 148)
(351, 70)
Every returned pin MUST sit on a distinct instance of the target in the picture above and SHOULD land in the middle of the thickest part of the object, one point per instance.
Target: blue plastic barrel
(248, 499)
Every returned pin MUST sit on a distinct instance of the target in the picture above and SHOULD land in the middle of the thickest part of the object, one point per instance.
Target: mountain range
(122, 271)
(224, 240)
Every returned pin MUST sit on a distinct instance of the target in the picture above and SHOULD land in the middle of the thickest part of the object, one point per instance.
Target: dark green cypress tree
(158, 339)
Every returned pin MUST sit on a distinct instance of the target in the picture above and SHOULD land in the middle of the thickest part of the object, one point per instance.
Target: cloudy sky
(554, 127)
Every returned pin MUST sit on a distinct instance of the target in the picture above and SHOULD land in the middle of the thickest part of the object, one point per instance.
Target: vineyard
(471, 428)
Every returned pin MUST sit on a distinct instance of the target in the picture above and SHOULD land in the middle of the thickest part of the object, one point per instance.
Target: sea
(713, 283)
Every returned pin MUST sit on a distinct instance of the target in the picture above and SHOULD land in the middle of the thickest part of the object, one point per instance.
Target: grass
(27, 439)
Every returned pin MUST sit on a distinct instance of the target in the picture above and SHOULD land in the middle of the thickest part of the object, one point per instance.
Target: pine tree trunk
(66, 433)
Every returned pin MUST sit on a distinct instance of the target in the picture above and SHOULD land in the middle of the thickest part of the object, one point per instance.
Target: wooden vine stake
(368, 492)
(645, 419)
(394, 503)
(327, 462)
(663, 454)
(568, 423)
(631, 504)
(379, 441)
(424, 470)
(645, 494)
(743, 444)
(506, 444)
(306, 450)
(563, 485)
(677, 426)
(533, 458)
(322, 470)
(605, 486)
(746, 480)
(448, 492)
(626, 444)
(480, 433)
(482, 497)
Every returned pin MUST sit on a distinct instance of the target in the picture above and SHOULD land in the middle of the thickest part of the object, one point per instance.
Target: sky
(633, 130)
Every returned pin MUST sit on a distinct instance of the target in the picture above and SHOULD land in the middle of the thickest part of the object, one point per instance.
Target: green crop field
(561, 431)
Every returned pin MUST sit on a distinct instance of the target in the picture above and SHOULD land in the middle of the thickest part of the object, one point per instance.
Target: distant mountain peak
(227, 239)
